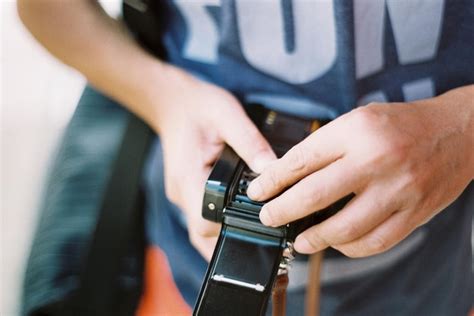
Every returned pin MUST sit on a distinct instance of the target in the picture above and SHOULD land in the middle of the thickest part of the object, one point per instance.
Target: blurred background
(38, 96)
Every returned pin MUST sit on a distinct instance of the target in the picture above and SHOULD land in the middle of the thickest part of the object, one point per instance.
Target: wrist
(463, 100)
(453, 114)
(165, 91)
(150, 92)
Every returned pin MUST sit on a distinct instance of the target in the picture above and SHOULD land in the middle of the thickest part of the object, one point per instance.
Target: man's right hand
(195, 120)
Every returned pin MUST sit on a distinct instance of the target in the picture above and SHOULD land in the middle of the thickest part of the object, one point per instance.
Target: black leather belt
(249, 255)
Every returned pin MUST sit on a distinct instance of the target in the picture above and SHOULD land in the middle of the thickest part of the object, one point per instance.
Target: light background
(38, 96)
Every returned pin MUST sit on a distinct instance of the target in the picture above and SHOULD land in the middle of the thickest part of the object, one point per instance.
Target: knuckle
(365, 116)
(259, 184)
(409, 220)
(410, 182)
(396, 149)
(349, 251)
(348, 230)
(274, 213)
(202, 231)
(399, 148)
(352, 250)
(312, 197)
(315, 239)
(376, 244)
(373, 103)
(297, 158)
(389, 143)
(417, 219)
(368, 246)
(205, 229)
(271, 182)
(418, 185)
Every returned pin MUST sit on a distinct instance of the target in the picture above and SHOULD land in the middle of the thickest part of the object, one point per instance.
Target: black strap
(248, 255)
(241, 274)
(119, 215)
(146, 19)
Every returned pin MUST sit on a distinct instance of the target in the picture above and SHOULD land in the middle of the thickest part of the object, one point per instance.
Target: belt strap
(248, 255)
(234, 285)
(119, 218)
(279, 294)
(313, 289)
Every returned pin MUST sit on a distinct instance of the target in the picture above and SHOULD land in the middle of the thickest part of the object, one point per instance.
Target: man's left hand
(405, 162)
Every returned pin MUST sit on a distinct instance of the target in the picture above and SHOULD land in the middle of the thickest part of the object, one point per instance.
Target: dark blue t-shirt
(322, 59)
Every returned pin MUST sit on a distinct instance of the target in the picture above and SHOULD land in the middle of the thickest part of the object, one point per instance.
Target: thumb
(240, 133)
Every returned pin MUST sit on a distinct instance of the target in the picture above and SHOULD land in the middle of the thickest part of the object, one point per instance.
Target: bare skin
(194, 119)
(399, 159)
(404, 161)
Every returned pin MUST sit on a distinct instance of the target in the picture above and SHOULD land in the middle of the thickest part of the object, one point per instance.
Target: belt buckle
(249, 255)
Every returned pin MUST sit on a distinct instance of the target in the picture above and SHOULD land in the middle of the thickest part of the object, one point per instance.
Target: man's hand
(195, 120)
(404, 161)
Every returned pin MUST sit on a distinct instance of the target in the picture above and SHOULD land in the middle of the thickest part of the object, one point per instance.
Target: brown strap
(313, 286)
(279, 295)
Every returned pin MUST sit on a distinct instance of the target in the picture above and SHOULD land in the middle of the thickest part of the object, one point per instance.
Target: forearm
(84, 37)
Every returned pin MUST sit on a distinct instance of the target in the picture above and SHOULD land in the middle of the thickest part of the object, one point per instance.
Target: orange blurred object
(161, 296)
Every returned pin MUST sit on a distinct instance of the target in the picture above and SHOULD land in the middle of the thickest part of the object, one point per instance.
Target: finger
(358, 217)
(382, 238)
(315, 152)
(243, 136)
(312, 193)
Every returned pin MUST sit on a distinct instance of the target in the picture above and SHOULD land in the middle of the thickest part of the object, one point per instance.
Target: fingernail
(254, 190)
(302, 245)
(261, 161)
(265, 218)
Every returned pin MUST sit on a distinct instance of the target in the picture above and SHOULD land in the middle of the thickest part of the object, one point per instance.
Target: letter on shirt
(416, 26)
(202, 36)
(262, 37)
